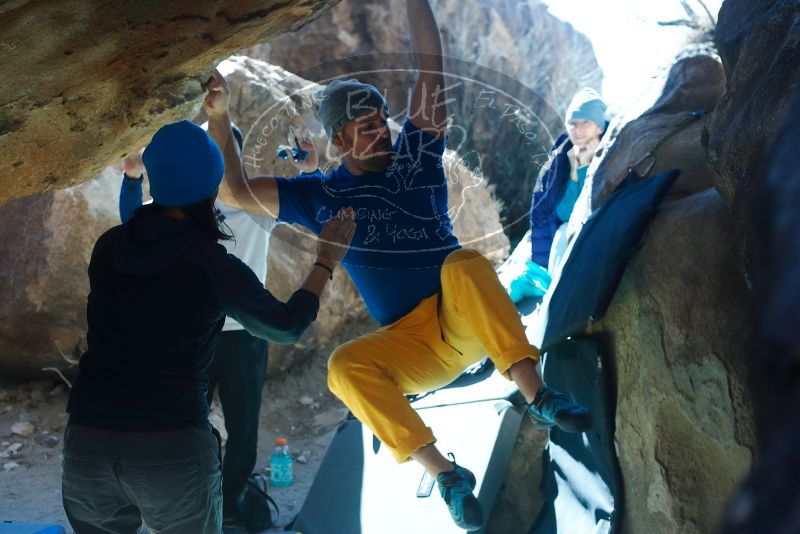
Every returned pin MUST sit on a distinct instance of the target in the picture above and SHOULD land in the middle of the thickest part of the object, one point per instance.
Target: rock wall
(85, 80)
(758, 42)
(692, 84)
(767, 502)
(46, 244)
(753, 142)
(678, 329)
(520, 498)
(42, 305)
(680, 326)
(511, 77)
(518, 39)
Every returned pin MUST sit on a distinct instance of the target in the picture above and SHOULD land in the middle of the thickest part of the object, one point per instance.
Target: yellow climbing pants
(426, 349)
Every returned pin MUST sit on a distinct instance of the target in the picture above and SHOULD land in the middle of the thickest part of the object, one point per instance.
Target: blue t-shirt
(564, 208)
(403, 232)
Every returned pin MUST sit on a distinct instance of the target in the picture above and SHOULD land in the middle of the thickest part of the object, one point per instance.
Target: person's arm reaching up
(255, 195)
(130, 194)
(428, 105)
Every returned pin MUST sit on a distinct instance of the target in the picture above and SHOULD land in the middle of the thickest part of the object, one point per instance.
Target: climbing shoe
(456, 489)
(551, 408)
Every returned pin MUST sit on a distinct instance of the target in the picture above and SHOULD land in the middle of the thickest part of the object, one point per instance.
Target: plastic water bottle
(280, 464)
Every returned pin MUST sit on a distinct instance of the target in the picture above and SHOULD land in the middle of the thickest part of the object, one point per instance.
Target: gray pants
(119, 482)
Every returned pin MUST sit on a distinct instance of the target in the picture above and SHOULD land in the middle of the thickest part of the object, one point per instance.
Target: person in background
(138, 448)
(238, 370)
(557, 188)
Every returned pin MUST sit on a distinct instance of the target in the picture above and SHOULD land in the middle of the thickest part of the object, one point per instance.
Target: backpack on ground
(256, 505)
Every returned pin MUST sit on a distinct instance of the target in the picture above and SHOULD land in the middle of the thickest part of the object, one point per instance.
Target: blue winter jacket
(547, 193)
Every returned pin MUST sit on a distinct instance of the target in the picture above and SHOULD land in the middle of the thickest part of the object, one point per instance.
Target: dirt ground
(297, 407)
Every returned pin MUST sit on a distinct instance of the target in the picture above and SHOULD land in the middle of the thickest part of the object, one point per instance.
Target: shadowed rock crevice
(758, 45)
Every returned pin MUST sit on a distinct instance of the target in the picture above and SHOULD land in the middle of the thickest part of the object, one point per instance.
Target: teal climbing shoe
(551, 408)
(456, 489)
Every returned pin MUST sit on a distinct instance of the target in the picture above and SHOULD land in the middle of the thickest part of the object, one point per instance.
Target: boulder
(46, 249)
(680, 326)
(511, 77)
(777, 281)
(678, 330)
(519, 39)
(691, 84)
(87, 79)
(759, 45)
(767, 502)
(42, 303)
(678, 333)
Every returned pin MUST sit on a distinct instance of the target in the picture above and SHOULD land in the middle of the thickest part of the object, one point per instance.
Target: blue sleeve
(549, 182)
(244, 298)
(297, 199)
(542, 213)
(130, 197)
(419, 157)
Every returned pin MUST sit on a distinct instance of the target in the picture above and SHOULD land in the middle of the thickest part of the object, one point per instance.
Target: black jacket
(159, 293)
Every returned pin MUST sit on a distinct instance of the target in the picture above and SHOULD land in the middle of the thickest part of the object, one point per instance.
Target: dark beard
(378, 162)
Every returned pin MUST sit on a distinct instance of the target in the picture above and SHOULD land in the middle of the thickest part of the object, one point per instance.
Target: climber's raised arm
(258, 195)
(428, 104)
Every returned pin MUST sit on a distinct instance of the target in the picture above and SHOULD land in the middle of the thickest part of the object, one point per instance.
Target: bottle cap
(281, 441)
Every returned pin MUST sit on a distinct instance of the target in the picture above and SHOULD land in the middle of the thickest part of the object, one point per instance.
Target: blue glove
(533, 282)
(538, 275)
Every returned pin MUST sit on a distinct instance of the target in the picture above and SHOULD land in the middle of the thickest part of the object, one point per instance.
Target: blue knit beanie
(344, 100)
(183, 164)
(587, 105)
